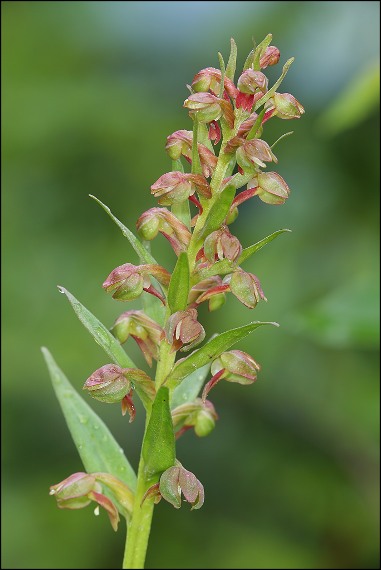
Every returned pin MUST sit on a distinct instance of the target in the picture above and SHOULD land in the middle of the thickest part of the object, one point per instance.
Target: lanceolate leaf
(159, 441)
(95, 444)
(210, 351)
(179, 285)
(249, 251)
(231, 66)
(190, 387)
(144, 255)
(104, 338)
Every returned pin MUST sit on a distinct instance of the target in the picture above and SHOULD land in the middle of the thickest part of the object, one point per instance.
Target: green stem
(139, 526)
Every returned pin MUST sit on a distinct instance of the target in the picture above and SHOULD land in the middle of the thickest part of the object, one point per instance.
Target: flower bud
(183, 328)
(198, 414)
(286, 106)
(209, 79)
(176, 187)
(253, 153)
(246, 287)
(270, 57)
(210, 108)
(129, 281)
(162, 220)
(108, 384)
(239, 367)
(177, 480)
(72, 492)
(78, 490)
(251, 82)
(145, 331)
(180, 143)
(233, 366)
(270, 188)
(148, 225)
(206, 105)
(222, 244)
(112, 384)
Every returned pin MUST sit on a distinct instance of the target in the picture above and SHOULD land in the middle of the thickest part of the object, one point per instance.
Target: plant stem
(139, 526)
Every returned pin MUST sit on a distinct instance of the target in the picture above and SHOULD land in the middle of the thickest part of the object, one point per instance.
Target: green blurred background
(90, 92)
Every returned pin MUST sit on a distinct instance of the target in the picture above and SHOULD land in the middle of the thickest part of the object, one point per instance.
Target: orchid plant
(227, 159)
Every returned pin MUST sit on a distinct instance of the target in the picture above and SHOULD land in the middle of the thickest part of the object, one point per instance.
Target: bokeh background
(90, 92)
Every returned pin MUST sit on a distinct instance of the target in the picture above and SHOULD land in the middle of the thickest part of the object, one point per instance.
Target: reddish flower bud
(112, 384)
(176, 187)
(251, 82)
(246, 287)
(207, 106)
(271, 56)
(183, 328)
(78, 490)
(177, 480)
(198, 414)
(109, 383)
(209, 79)
(161, 220)
(222, 244)
(145, 331)
(180, 143)
(210, 108)
(233, 366)
(270, 187)
(129, 281)
(253, 153)
(285, 106)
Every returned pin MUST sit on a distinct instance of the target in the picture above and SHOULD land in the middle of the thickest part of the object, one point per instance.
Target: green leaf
(258, 122)
(219, 211)
(190, 387)
(144, 255)
(179, 285)
(249, 60)
(230, 68)
(104, 338)
(158, 449)
(249, 251)
(95, 444)
(210, 351)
